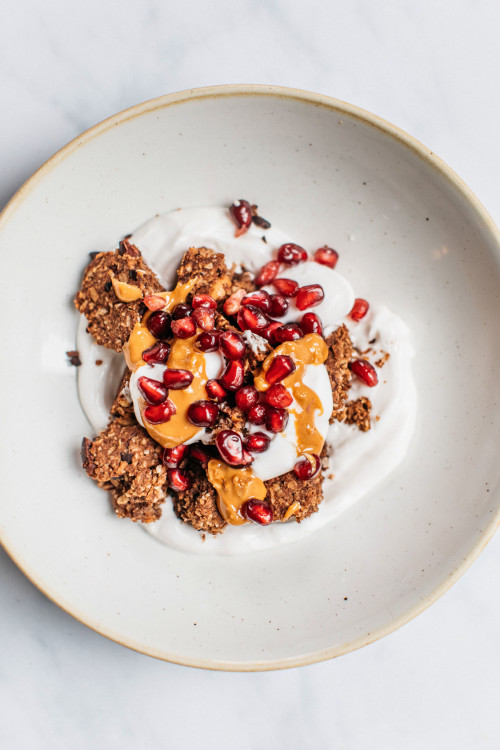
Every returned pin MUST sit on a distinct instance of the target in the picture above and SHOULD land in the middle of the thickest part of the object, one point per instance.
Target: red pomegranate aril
(257, 511)
(281, 367)
(279, 305)
(178, 479)
(215, 391)
(233, 303)
(365, 371)
(268, 332)
(286, 287)
(153, 302)
(203, 300)
(327, 256)
(257, 442)
(252, 319)
(204, 318)
(267, 273)
(288, 332)
(177, 379)
(277, 395)
(160, 413)
(182, 310)
(231, 450)
(291, 254)
(359, 309)
(159, 324)
(257, 414)
(311, 323)
(309, 296)
(184, 328)
(308, 467)
(260, 299)
(246, 397)
(241, 213)
(232, 376)
(156, 354)
(276, 419)
(173, 457)
(232, 345)
(153, 391)
(203, 413)
(198, 453)
(208, 341)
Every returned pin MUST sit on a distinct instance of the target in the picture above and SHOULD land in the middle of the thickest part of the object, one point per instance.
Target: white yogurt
(361, 460)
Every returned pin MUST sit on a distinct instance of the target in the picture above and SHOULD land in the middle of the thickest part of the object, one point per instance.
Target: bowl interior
(408, 236)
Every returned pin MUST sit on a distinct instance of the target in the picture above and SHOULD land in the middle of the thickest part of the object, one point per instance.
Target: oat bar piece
(288, 490)
(358, 413)
(122, 408)
(209, 269)
(125, 461)
(243, 280)
(197, 506)
(110, 320)
(337, 364)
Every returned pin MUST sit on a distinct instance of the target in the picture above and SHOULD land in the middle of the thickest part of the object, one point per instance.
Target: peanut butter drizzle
(309, 350)
(233, 487)
(292, 509)
(125, 292)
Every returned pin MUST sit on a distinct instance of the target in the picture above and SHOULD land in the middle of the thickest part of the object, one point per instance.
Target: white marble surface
(429, 66)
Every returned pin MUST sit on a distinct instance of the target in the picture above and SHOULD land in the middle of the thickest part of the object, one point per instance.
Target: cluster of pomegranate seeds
(215, 391)
(359, 309)
(309, 296)
(291, 254)
(308, 467)
(288, 332)
(184, 328)
(257, 414)
(327, 256)
(311, 323)
(232, 345)
(233, 303)
(178, 479)
(173, 457)
(204, 318)
(260, 299)
(257, 511)
(154, 302)
(246, 397)
(182, 310)
(241, 213)
(177, 379)
(208, 341)
(232, 375)
(277, 395)
(231, 448)
(160, 413)
(156, 354)
(279, 305)
(153, 391)
(276, 419)
(159, 324)
(250, 318)
(365, 371)
(257, 442)
(281, 366)
(203, 413)
(286, 287)
(203, 300)
(267, 273)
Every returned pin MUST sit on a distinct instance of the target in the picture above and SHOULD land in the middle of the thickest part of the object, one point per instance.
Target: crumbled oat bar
(209, 269)
(358, 413)
(337, 364)
(197, 506)
(122, 408)
(287, 489)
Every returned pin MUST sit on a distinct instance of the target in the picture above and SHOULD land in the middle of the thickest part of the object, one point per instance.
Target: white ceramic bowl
(411, 235)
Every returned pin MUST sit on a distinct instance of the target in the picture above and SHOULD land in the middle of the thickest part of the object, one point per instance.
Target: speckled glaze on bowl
(409, 233)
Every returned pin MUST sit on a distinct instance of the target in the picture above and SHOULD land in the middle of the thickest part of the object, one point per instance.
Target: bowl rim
(430, 159)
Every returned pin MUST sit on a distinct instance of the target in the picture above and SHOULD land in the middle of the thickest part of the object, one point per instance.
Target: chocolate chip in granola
(261, 222)
(126, 248)
(107, 286)
(126, 456)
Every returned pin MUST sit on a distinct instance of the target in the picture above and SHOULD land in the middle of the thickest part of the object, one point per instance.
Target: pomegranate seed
(281, 367)
(198, 453)
(257, 511)
(308, 469)
(153, 391)
(203, 300)
(279, 305)
(326, 256)
(246, 397)
(184, 328)
(257, 442)
(277, 395)
(286, 287)
(203, 413)
(160, 413)
(182, 310)
(215, 390)
(177, 379)
(276, 419)
(233, 303)
(267, 273)
(291, 254)
(288, 332)
(173, 457)
(241, 213)
(311, 323)
(253, 319)
(178, 479)
(309, 296)
(230, 447)
(208, 341)
(268, 332)
(156, 354)
(365, 371)
(153, 302)
(204, 318)
(359, 309)
(260, 299)
(158, 324)
(232, 345)
(232, 376)
(257, 414)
